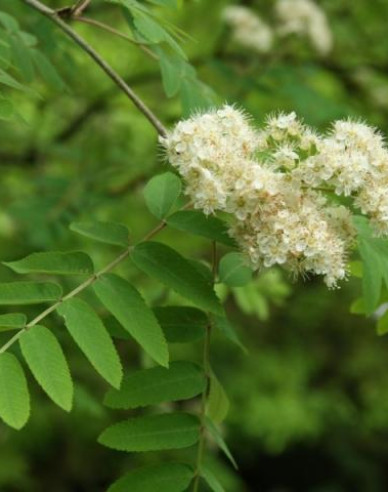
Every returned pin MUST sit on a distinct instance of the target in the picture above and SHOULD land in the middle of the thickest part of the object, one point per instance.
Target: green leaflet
(181, 381)
(211, 479)
(104, 232)
(217, 403)
(47, 70)
(14, 396)
(93, 339)
(129, 308)
(228, 330)
(374, 254)
(214, 431)
(54, 263)
(233, 270)
(47, 362)
(152, 433)
(167, 477)
(172, 269)
(161, 194)
(382, 324)
(22, 57)
(182, 324)
(196, 222)
(14, 321)
(17, 293)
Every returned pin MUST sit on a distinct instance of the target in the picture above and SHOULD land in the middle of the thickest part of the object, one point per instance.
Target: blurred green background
(309, 401)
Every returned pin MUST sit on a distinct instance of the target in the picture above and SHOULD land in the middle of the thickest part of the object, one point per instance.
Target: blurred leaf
(374, 254)
(217, 403)
(152, 433)
(28, 293)
(233, 270)
(53, 263)
(211, 479)
(47, 362)
(196, 222)
(47, 70)
(129, 308)
(169, 267)
(91, 336)
(161, 193)
(182, 324)
(227, 329)
(22, 58)
(214, 431)
(14, 396)
(181, 381)
(382, 324)
(166, 477)
(104, 232)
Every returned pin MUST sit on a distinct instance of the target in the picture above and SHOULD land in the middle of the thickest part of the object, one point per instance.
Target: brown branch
(117, 79)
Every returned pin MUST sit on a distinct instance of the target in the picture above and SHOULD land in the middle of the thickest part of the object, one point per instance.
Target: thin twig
(117, 79)
(80, 7)
(91, 280)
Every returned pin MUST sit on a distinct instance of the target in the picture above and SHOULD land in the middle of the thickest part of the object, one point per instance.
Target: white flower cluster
(304, 17)
(249, 29)
(300, 17)
(274, 182)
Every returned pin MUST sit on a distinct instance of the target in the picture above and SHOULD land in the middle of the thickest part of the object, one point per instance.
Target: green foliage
(153, 433)
(12, 321)
(48, 364)
(218, 403)
(233, 270)
(14, 396)
(374, 254)
(54, 264)
(172, 269)
(182, 324)
(196, 222)
(181, 381)
(168, 477)
(104, 232)
(211, 480)
(17, 293)
(161, 194)
(93, 339)
(129, 308)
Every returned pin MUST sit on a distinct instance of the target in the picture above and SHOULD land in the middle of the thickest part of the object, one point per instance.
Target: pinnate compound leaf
(93, 339)
(197, 223)
(173, 270)
(233, 270)
(166, 477)
(217, 403)
(13, 321)
(18, 293)
(45, 358)
(152, 433)
(54, 263)
(182, 324)
(104, 232)
(129, 308)
(14, 396)
(161, 193)
(181, 381)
